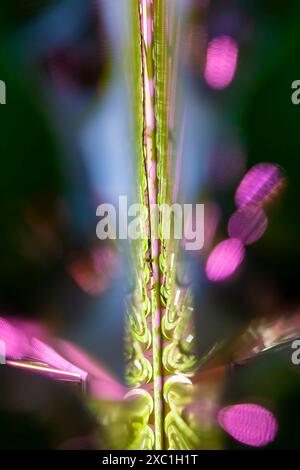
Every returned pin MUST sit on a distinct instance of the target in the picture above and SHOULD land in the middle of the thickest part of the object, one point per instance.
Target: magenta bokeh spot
(248, 224)
(259, 184)
(221, 60)
(249, 423)
(224, 259)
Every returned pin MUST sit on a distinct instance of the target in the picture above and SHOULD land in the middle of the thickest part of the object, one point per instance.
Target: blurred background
(66, 146)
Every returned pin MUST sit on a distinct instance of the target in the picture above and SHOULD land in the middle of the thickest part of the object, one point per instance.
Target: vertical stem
(146, 12)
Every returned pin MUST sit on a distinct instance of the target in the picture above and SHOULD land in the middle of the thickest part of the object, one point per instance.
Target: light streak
(44, 369)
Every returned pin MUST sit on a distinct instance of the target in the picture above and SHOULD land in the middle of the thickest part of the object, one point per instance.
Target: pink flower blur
(21, 345)
(224, 259)
(248, 224)
(221, 61)
(259, 184)
(249, 424)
